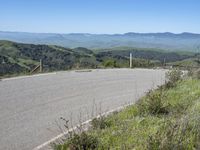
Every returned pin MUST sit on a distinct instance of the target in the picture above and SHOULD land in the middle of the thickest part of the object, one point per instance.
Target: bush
(173, 77)
(110, 63)
(82, 141)
(100, 123)
(154, 103)
(190, 72)
(195, 73)
(76, 139)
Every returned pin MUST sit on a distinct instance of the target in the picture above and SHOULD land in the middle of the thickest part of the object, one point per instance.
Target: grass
(167, 118)
(190, 62)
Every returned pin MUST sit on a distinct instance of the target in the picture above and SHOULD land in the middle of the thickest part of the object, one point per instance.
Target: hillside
(167, 41)
(16, 58)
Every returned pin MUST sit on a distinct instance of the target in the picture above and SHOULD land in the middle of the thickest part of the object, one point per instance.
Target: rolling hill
(168, 41)
(18, 58)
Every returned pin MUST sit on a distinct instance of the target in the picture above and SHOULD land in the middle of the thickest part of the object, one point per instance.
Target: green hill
(16, 58)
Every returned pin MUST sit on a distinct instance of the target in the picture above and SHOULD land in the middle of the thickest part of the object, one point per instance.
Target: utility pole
(41, 65)
(131, 60)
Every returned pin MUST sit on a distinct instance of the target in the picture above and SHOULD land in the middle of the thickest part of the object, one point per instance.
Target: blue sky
(100, 16)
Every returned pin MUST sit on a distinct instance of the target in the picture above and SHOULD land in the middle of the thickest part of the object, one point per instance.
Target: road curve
(30, 107)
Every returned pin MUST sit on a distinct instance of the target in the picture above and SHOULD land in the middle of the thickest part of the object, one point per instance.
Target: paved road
(30, 107)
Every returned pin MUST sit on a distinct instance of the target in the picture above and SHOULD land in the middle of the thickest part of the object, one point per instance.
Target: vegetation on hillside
(165, 119)
(17, 58)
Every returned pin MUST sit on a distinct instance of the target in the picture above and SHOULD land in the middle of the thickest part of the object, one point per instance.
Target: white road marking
(74, 128)
(28, 76)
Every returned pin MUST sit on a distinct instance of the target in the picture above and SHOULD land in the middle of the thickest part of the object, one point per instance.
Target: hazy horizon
(97, 33)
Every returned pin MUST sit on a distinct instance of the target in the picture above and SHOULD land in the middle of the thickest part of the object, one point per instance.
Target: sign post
(131, 57)
(40, 65)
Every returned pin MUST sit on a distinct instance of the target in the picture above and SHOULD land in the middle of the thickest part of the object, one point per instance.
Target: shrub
(173, 77)
(110, 63)
(77, 139)
(154, 103)
(190, 72)
(82, 141)
(196, 73)
(100, 123)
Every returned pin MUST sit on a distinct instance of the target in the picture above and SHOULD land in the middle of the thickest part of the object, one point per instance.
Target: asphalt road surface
(31, 107)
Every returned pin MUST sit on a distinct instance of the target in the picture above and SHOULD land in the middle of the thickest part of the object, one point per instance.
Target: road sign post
(41, 65)
(131, 60)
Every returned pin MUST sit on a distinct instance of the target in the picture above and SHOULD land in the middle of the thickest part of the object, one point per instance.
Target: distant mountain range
(168, 41)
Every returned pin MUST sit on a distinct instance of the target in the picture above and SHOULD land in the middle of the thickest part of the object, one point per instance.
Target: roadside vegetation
(167, 118)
